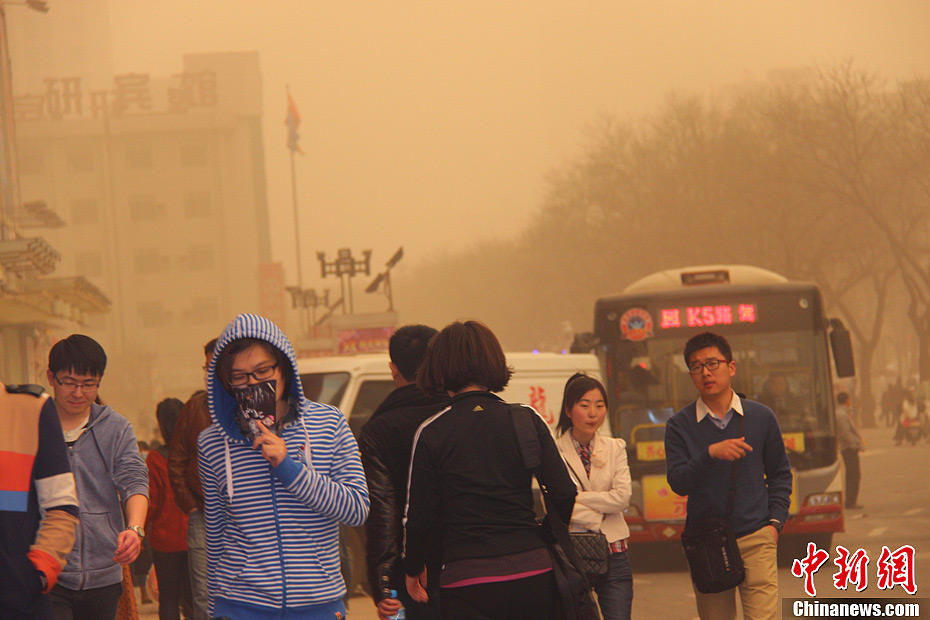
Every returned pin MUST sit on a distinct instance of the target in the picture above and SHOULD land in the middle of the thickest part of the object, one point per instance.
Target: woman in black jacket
(470, 494)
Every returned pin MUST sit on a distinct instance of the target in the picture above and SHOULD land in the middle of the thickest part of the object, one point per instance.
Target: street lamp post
(308, 299)
(345, 267)
(386, 278)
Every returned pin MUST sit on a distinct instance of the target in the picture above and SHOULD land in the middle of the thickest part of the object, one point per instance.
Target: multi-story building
(161, 185)
(33, 304)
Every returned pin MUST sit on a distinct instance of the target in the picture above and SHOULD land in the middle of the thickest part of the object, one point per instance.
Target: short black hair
(210, 347)
(461, 355)
(167, 412)
(708, 339)
(79, 354)
(408, 348)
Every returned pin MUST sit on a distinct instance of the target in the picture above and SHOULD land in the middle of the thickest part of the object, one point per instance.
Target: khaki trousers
(758, 593)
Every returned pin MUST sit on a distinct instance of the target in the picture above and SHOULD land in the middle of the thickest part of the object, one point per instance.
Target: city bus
(782, 343)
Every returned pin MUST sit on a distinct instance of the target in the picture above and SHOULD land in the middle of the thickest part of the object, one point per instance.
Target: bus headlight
(822, 499)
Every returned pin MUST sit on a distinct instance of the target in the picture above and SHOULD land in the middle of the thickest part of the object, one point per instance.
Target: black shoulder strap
(731, 499)
(526, 436)
(528, 441)
(26, 388)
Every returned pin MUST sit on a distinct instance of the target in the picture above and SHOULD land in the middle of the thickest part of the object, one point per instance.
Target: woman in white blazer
(598, 465)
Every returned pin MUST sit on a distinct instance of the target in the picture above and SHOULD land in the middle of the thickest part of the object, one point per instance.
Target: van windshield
(325, 387)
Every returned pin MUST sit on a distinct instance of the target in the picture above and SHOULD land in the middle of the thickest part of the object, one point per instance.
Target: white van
(357, 384)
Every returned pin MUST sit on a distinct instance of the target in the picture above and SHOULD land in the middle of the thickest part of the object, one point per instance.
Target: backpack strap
(26, 388)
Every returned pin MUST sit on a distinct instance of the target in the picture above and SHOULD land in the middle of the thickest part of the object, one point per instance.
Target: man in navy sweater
(702, 444)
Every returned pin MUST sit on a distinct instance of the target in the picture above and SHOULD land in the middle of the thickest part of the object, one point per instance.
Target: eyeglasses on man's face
(698, 367)
(71, 386)
(259, 374)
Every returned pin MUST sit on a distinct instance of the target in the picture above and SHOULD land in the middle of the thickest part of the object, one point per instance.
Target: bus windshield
(786, 370)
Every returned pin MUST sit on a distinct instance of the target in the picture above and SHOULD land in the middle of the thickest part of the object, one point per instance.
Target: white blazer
(604, 496)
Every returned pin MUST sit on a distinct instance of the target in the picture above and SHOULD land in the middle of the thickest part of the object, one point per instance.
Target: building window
(154, 314)
(145, 209)
(149, 261)
(199, 257)
(197, 204)
(138, 156)
(84, 211)
(193, 155)
(31, 160)
(88, 264)
(80, 160)
(204, 310)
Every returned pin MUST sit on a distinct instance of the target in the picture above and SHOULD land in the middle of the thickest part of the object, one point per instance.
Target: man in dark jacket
(385, 443)
(703, 443)
(184, 477)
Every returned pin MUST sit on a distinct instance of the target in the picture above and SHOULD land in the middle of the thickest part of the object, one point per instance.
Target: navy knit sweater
(763, 486)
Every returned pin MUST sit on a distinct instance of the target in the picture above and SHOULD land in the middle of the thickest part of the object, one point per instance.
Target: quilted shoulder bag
(592, 547)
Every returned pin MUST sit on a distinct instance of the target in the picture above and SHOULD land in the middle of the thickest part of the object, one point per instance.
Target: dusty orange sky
(431, 124)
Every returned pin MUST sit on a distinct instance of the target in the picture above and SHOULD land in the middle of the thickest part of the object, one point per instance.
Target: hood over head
(223, 404)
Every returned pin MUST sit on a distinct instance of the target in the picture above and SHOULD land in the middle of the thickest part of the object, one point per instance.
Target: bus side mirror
(584, 343)
(841, 343)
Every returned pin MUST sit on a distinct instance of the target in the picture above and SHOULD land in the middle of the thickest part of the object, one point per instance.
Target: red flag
(292, 120)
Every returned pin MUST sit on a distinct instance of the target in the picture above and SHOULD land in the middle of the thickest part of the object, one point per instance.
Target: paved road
(895, 493)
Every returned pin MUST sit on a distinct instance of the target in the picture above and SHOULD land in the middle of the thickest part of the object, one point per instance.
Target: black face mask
(257, 405)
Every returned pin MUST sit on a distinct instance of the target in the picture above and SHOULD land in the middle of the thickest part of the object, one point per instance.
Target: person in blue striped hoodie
(279, 473)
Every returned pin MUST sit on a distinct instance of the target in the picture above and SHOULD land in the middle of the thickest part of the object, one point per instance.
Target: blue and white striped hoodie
(272, 532)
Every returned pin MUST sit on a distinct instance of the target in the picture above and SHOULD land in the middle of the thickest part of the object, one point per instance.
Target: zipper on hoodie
(80, 521)
(277, 522)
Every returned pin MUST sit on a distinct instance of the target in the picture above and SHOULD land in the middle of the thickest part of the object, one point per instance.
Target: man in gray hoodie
(110, 476)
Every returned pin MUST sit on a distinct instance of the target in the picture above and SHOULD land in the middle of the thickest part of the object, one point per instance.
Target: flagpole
(294, 120)
(300, 281)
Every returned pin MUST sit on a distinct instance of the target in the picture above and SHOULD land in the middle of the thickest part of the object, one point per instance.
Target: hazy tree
(813, 179)
(860, 151)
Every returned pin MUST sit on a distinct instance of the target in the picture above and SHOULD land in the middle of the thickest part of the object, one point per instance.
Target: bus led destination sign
(706, 316)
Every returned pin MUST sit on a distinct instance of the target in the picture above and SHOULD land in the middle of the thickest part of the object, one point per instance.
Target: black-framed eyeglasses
(260, 374)
(698, 367)
(71, 386)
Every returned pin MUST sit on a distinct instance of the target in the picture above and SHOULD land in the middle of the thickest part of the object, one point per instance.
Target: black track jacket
(468, 484)
(385, 443)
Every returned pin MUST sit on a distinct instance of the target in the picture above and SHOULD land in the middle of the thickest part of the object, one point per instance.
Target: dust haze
(432, 125)
(448, 129)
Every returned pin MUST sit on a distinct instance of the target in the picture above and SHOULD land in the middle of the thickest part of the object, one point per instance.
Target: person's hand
(273, 447)
(416, 587)
(388, 608)
(774, 532)
(729, 449)
(128, 547)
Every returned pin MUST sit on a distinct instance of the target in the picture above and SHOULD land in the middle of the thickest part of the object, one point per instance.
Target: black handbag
(576, 600)
(710, 546)
(592, 547)
(593, 554)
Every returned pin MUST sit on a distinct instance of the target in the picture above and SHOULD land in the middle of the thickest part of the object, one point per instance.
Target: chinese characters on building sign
(707, 316)
(894, 568)
(131, 94)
